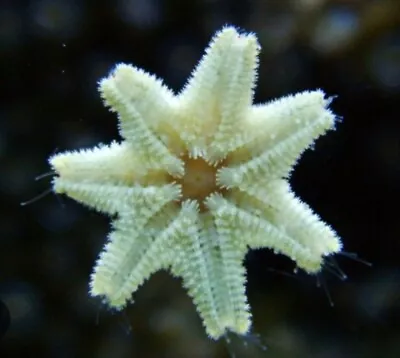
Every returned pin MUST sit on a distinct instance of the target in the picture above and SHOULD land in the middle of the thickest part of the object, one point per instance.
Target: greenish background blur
(53, 52)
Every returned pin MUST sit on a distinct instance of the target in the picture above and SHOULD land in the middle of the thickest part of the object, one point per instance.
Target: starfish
(198, 179)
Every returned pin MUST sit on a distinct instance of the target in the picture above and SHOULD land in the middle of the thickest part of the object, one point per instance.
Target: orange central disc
(199, 180)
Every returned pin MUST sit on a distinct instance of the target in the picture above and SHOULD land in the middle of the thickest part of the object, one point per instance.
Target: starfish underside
(198, 179)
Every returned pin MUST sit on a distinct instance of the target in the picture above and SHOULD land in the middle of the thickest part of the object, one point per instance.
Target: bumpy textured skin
(202, 236)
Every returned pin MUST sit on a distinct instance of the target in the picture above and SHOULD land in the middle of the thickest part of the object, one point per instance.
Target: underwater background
(53, 53)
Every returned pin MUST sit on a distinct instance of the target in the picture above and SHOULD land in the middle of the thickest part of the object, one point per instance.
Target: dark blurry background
(53, 52)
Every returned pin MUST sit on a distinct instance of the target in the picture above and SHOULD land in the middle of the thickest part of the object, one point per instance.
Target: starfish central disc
(199, 180)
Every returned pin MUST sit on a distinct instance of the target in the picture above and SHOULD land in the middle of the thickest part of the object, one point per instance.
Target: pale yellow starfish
(198, 179)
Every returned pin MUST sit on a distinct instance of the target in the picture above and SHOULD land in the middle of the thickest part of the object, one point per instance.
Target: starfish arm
(215, 289)
(112, 164)
(236, 97)
(145, 108)
(116, 262)
(251, 229)
(232, 272)
(301, 223)
(113, 199)
(219, 91)
(137, 249)
(286, 128)
(195, 264)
